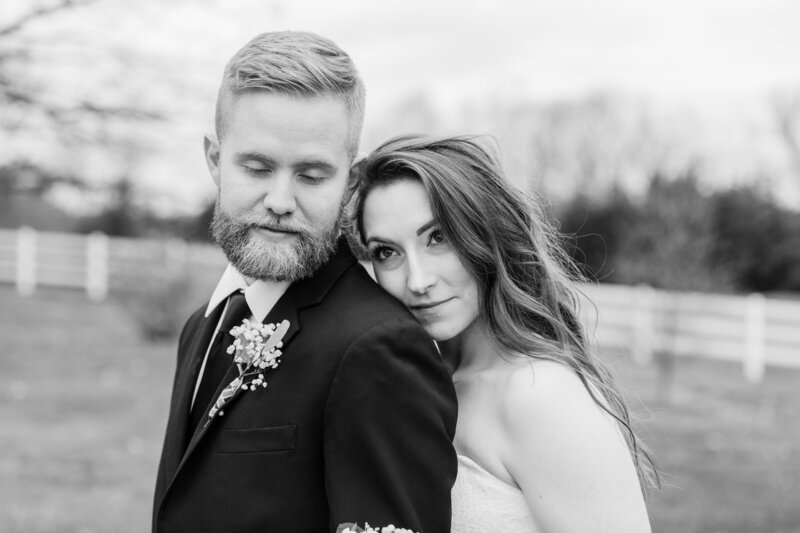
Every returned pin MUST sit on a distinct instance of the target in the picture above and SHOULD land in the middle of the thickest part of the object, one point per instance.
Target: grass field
(83, 407)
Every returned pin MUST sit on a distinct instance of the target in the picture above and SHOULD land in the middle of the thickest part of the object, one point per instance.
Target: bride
(544, 439)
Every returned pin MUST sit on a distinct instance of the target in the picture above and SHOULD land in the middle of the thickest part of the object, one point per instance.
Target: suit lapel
(186, 377)
(284, 309)
(301, 294)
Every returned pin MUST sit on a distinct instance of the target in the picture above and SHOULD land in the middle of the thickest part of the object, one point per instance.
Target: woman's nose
(420, 276)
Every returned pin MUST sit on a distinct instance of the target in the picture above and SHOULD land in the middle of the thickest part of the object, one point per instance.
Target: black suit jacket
(355, 425)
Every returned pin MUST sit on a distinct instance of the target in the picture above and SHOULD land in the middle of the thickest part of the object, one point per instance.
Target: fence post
(644, 331)
(26, 261)
(754, 360)
(97, 266)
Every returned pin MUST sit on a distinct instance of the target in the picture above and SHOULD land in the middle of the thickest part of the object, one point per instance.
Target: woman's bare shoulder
(537, 387)
(567, 453)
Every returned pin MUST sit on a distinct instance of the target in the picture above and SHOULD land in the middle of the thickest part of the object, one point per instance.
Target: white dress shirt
(261, 297)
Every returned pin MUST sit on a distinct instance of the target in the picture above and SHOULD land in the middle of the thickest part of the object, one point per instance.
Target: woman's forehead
(397, 208)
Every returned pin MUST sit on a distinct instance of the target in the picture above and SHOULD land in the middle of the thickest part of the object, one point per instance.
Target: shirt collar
(260, 295)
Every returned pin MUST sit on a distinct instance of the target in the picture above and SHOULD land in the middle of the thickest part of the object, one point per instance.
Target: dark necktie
(219, 360)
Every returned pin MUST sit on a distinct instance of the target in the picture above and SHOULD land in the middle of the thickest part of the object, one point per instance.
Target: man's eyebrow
(253, 156)
(316, 164)
(425, 227)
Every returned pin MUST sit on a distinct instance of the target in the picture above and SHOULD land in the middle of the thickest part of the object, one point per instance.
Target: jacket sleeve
(389, 425)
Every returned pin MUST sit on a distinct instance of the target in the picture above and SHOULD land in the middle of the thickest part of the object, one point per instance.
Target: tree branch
(41, 12)
(118, 112)
(787, 114)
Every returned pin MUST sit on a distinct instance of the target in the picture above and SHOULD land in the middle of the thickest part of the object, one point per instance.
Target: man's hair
(298, 64)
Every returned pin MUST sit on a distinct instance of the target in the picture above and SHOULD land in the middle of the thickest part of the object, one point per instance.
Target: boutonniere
(256, 348)
(355, 528)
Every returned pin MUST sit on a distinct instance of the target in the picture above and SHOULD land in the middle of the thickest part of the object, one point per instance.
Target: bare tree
(28, 100)
(37, 12)
(590, 145)
(786, 107)
(68, 95)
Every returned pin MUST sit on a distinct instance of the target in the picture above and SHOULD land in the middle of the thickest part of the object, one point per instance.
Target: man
(355, 424)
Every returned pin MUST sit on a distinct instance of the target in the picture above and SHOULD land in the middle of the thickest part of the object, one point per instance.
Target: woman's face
(414, 262)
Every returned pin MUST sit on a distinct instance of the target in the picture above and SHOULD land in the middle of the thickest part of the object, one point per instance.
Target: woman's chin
(442, 333)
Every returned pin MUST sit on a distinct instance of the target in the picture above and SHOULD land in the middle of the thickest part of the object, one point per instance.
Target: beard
(289, 260)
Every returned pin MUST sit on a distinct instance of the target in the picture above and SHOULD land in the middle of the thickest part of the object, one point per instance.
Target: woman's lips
(427, 306)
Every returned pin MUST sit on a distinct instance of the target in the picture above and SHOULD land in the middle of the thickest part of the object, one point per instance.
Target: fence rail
(752, 329)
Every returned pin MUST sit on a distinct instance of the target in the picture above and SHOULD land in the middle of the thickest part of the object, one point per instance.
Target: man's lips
(427, 305)
(274, 229)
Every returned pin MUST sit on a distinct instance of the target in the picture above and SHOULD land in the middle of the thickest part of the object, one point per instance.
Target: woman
(543, 437)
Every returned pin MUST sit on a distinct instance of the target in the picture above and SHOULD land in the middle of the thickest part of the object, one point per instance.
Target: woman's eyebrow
(425, 227)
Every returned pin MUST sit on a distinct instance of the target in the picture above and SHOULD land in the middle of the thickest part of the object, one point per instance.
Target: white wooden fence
(96, 263)
(754, 330)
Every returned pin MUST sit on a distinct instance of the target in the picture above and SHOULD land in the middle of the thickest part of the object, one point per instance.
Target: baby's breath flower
(253, 351)
(369, 529)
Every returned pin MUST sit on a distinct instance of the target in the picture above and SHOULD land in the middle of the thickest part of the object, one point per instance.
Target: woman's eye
(381, 253)
(436, 237)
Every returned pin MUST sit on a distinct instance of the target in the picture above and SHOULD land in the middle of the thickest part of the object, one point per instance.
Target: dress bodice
(482, 503)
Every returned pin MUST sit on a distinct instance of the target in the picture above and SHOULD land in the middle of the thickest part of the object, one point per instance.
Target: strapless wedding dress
(483, 503)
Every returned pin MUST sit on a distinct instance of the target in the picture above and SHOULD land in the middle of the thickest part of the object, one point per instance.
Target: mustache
(277, 224)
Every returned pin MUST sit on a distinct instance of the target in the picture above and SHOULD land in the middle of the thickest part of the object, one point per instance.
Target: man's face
(282, 168)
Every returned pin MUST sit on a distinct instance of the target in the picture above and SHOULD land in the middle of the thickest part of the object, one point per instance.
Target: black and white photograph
(419, 267)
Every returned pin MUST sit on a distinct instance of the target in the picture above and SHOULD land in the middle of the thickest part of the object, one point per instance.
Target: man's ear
(211, 148)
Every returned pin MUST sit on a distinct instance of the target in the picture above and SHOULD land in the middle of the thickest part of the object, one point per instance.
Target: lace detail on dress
(482, 503)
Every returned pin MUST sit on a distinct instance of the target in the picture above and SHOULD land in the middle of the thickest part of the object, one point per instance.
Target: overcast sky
(716, 59)
(677, 49)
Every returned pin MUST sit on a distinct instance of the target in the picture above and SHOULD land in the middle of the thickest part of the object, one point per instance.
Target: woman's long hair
(529, 299)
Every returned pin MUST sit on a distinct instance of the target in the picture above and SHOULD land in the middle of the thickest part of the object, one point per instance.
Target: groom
(355, 423)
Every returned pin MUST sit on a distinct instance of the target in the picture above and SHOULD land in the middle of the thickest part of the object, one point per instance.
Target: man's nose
(420, 277)
(279, 198)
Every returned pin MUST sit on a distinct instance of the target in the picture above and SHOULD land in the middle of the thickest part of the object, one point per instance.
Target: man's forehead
(229, 101)
(321, 117)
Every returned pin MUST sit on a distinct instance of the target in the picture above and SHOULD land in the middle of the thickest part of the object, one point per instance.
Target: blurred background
(665, 137)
